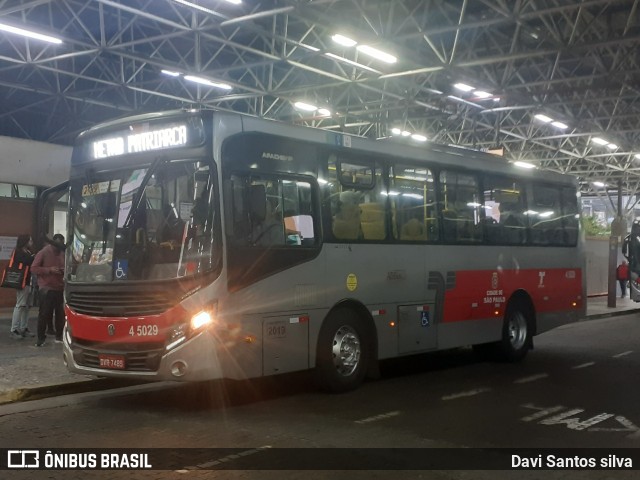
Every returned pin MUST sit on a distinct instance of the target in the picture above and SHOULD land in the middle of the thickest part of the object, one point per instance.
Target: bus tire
(343, 352)
(516, 334)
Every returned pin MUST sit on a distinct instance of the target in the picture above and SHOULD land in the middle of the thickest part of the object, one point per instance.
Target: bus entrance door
(417, 331)
(631, 250)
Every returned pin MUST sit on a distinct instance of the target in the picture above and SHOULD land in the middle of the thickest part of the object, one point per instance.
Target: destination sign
(167, 136)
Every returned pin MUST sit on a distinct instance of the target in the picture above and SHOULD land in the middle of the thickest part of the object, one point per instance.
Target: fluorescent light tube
(378, 54)
(524, 165)
(342, 40)
(464, 87)
(207, 82)
(560, 125)
(307, 107)
(543, 118)
(29, 34)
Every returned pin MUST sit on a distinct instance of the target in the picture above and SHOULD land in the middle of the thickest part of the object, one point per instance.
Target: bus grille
(147, 360)
(119, 303)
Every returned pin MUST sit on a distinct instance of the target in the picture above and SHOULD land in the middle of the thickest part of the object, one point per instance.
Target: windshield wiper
(137, 199)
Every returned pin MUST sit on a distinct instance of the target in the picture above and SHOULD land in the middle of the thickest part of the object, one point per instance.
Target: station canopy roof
(553, 83)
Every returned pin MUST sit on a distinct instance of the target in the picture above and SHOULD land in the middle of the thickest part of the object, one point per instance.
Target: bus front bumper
(195, 360)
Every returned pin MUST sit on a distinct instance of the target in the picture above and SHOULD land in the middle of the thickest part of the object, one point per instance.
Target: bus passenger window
(505, 207)
(413, 203)
(462, 208)
(546, 217)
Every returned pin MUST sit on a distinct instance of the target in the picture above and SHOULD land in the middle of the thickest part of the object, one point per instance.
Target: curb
(38, 392)
(597, 316)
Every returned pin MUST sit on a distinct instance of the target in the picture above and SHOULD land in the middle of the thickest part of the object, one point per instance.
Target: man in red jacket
(49, 269)
(622, 274)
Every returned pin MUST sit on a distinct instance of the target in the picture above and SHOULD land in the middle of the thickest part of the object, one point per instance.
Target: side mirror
(625, 247)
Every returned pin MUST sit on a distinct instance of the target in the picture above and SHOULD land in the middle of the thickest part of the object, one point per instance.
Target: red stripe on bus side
(477, 294)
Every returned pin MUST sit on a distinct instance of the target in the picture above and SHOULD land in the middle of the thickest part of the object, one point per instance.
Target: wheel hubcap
(346, 350)
(517, 330)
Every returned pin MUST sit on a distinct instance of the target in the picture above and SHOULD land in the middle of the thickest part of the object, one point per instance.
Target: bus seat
(413, 230)
(372, 221)
(346, 221)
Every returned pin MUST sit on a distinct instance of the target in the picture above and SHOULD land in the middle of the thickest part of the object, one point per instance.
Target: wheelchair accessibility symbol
(424, 319)
(121, 269)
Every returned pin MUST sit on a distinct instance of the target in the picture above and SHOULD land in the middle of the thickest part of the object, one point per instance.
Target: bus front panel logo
(111, 329)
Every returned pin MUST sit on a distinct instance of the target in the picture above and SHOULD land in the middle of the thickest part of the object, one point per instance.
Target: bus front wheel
(343, 352)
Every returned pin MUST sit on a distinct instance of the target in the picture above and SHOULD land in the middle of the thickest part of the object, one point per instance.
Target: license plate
(115, 362)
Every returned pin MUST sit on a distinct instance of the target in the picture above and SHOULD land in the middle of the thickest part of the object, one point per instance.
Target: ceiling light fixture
(599, 141)
(207, 82)
(170, 73)
(342, 40)
(377, 54)
(196, 6)
(524, 165)
(28, 33)
(543, 118)
(612, 146)
(464, 87)
(560, 125)
(307, 107)
(482, 94)
(418, 137)
(599, 184)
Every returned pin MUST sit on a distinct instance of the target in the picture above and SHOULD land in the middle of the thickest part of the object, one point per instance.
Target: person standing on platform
(49, 269)
(622, 274)
(24, 255)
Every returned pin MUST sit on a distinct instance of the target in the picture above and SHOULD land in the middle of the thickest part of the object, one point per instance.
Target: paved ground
(27, 371)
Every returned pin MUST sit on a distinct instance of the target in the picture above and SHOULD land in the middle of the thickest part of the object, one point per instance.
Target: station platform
(29, 372)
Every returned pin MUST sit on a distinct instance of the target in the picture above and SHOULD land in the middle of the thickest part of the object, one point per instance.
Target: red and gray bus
(205, 245)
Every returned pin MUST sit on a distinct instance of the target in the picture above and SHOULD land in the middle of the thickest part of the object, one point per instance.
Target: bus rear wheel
(516, 337)
(516, 334)
(343, 352)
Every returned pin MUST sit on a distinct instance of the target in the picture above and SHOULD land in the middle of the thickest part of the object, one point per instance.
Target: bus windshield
(150, 223)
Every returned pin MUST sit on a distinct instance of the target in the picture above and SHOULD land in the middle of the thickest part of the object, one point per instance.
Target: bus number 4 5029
(143, 330)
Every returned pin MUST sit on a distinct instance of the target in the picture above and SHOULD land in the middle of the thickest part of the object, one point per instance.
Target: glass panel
(505, 207)
(545, 216)
(357, 212)
(355, 175)
(570, 215)
(272, 212)
(26, 191)
(154, 223)
(6, 190)
(413, 204)
(462, 208)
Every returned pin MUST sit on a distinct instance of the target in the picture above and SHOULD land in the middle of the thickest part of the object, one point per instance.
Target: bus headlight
(203, 319)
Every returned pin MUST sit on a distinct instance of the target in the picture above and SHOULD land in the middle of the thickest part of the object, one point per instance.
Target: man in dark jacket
(22, 255)
(49, 269)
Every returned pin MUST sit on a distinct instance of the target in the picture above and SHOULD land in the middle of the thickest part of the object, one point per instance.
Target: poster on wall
(7, 244)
